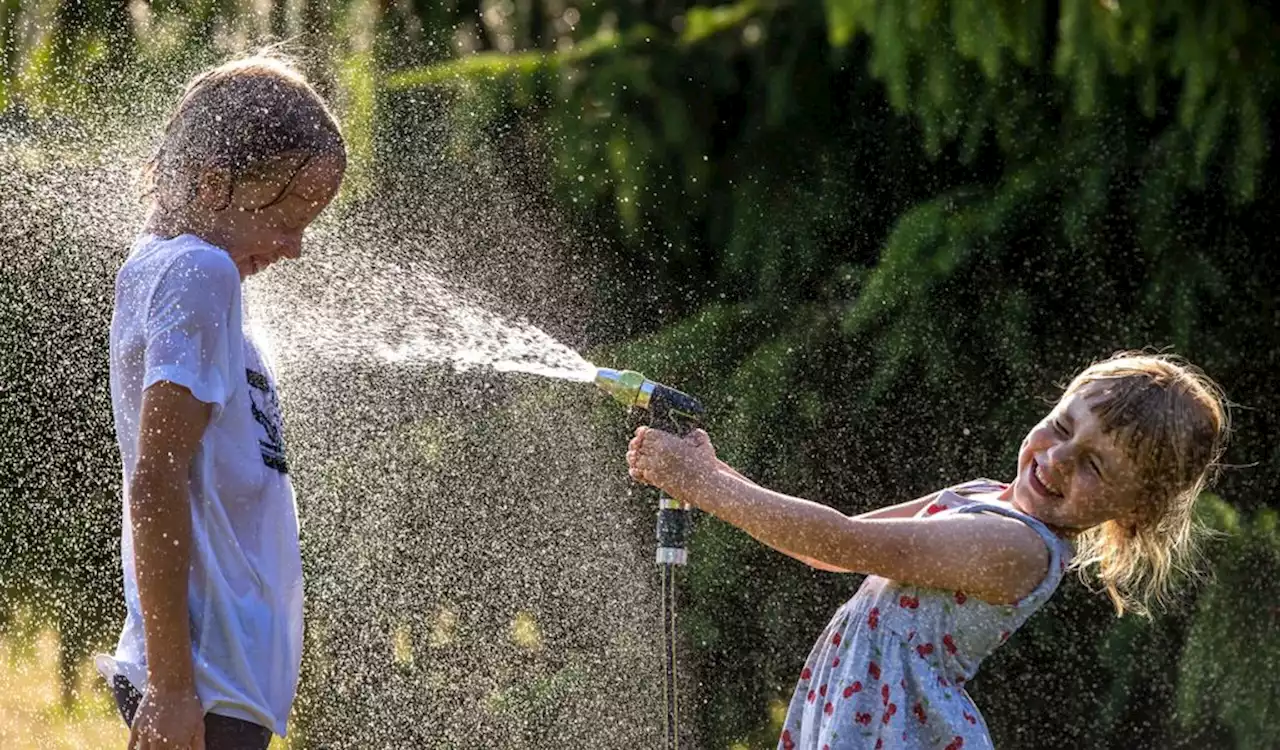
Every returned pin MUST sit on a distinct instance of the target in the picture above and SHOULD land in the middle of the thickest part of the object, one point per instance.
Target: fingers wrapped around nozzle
(668, 461)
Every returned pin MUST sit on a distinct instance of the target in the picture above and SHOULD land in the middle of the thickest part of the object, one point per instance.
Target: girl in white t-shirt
(211, 645)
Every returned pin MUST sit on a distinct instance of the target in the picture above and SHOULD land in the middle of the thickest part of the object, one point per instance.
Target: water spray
(678, 413)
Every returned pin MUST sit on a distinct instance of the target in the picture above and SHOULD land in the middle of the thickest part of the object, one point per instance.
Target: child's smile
(1072, 474)
(1040, 482)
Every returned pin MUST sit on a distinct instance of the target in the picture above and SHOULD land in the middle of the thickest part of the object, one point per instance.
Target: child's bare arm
(815, 564)
(902, 510)
(994, 558)
(172, 423)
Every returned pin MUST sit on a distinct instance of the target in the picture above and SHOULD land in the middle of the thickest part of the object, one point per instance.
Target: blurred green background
(873, 236)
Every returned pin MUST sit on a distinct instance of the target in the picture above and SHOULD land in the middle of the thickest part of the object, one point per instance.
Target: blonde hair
(238, 117)
(1171, 420)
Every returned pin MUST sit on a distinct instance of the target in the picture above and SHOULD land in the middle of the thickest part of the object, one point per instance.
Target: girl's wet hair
(240, 117)
(1172, 422)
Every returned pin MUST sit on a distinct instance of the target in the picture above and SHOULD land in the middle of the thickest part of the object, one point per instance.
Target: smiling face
(259, 218)
(1073, 472)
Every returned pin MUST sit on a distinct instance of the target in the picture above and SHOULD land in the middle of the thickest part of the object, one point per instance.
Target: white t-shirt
(178, 317)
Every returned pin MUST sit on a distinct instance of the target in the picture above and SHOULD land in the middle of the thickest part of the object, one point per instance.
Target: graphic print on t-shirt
(266, 412)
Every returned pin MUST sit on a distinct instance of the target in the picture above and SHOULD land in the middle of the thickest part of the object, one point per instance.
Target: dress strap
(977, 487)
(1060, 550)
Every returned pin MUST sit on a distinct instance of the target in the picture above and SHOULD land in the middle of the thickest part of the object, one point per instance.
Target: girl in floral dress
(1105, 482)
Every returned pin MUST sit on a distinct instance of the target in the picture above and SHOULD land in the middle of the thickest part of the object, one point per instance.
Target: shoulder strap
(977, 487)
(1060, 550)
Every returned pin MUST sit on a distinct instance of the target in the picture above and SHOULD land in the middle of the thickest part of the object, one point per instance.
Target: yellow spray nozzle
(627, 387)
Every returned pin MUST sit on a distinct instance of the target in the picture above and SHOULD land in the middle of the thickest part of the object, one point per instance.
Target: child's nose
(1059, 458)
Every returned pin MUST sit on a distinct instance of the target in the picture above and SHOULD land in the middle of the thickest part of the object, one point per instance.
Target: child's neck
(169, 224)
(1006, 497)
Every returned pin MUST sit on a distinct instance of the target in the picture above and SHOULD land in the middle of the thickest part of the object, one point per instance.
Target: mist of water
(348, 305)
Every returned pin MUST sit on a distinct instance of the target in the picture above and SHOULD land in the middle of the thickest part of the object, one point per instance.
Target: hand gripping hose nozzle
(671, 411)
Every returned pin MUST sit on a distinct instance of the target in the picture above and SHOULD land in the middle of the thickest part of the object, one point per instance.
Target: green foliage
(1230, 670)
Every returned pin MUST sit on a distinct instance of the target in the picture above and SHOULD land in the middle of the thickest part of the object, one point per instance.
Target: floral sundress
(890, 668)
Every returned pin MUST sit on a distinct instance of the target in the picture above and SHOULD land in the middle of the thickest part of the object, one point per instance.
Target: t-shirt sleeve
(188, 328)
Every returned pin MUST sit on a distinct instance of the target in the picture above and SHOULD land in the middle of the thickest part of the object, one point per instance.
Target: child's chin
(1024, 499)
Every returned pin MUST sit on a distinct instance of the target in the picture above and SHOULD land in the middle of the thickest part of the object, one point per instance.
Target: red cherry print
(943, 681)
(828, 709)
(835, 662)
(889, 712)
(970, 718)
(849, 691)
(935, 508)
(823, 691)
(806, 674)
(812, 695)
(960, 597)
(874, 671)
(956, 744)
(884, 694)
(924, 649)
(856, 687)
(863, 719)
(949, 643)
(879, 744)
(835, 639)
(786, 735)
(873, 619)
(826, 747)
(919, 712)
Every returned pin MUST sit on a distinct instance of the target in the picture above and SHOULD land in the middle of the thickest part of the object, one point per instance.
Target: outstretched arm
(901, 510)
(995, 558)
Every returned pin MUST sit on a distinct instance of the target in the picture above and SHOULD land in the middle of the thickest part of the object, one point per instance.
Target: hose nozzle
(626, 386)
(670, 409)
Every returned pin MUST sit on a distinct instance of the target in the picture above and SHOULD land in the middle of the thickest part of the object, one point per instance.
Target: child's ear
(213, 191)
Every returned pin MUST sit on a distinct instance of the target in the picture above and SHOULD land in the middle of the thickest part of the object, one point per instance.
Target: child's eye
(1059, 428)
